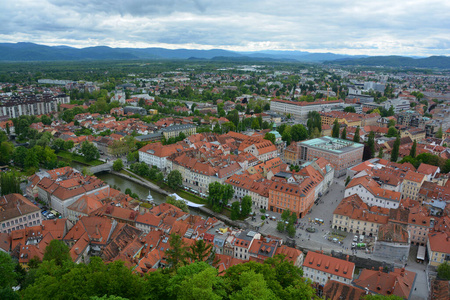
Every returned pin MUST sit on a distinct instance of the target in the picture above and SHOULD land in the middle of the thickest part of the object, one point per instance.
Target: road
(318, 240)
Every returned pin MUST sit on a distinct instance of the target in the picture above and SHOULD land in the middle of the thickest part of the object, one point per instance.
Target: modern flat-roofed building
(342, 154)
(301, 109)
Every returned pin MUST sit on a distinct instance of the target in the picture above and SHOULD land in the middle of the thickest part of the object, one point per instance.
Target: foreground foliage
(57, 277)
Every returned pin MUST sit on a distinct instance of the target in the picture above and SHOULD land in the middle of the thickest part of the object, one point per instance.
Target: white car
(355, 238)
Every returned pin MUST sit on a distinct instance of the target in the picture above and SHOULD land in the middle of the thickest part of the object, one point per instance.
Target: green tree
(175, 180)
(181, 204)
(58, 251)
(219, 195)
(412, 152)
(118, 165)
(7, 274)
(246, 205)
(6, 151)
(380, 153)
(281, 226)
(252, 286)
(10, 183)
(235, 210)
(439, 133)
(347, 180)
(350, 109)
(356, 137)
(382, 297)
(31, 160)
(89, 151)
(255, 124)
(299, 132)
(290, 230)
(392, 132)
(201, 251)
(176, 255)
(344, 133)
(395, 150)
(270, 137)
(335, 130)
(195, 281)
(68, 145)
(371, 143)
(391, 123)
(444, 271)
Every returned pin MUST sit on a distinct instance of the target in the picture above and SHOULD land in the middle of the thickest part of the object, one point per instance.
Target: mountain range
(35, 52)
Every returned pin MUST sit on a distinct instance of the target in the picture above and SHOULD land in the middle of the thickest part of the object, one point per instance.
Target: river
(124, 183)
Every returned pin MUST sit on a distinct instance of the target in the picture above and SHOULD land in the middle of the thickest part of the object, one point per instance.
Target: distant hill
(35, 52)
(441, 62)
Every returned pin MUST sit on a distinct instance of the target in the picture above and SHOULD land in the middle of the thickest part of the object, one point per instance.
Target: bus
(421, 254)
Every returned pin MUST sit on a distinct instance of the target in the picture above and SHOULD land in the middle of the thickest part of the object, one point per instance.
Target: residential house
(321, 268)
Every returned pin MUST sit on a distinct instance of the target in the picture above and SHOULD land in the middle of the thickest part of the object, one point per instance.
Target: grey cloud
(383, 26)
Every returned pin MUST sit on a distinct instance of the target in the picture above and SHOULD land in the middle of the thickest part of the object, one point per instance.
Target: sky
(376, 27)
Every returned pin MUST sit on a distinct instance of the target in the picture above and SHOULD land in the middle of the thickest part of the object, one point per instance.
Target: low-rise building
(175, 130)
(321, 268)
(393, 241)
(297, 197)
(411, 184)
(438, 246)
(17, 212)
(399, 282)
(372, 193)
(353, 215)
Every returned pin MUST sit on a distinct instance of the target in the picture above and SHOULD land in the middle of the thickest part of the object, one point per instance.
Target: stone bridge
(106, 167)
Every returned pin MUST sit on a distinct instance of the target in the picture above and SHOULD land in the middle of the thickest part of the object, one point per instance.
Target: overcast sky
(377, 27)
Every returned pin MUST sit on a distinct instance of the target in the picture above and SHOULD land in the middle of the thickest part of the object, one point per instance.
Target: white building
(320, 268)
(372, 193)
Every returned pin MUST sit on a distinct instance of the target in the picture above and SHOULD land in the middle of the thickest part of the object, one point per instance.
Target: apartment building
(29, 105)
(301, 109)
(175, 130)
(320, 268)
(17, 212)
(412, 183)
(353, 215)
(297, 197)
(372, 193)
(155, 154)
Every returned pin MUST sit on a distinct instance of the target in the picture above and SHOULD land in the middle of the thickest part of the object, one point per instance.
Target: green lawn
(78, 158)
(191, 197)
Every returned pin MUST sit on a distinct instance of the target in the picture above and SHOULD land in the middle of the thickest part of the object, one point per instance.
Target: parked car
(361, 238)
(44, 212)
(355, 238)
(51, 216)
(335, 240)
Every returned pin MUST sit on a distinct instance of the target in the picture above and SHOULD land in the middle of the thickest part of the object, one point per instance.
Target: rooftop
(332, 144)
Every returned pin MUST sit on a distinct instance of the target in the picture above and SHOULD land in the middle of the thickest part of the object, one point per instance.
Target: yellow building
(353, 215)
(175, 130)
(438, 245)
(411, 184)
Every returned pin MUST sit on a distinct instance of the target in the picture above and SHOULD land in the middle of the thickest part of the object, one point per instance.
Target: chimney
(348, 257)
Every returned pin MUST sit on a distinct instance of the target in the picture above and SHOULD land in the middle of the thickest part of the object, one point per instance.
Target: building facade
(342, 154)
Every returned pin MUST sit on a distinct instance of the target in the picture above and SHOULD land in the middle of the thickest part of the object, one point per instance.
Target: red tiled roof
(328, 264)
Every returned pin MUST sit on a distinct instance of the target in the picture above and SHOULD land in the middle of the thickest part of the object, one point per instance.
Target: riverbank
(68, 156)
(144, 182)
